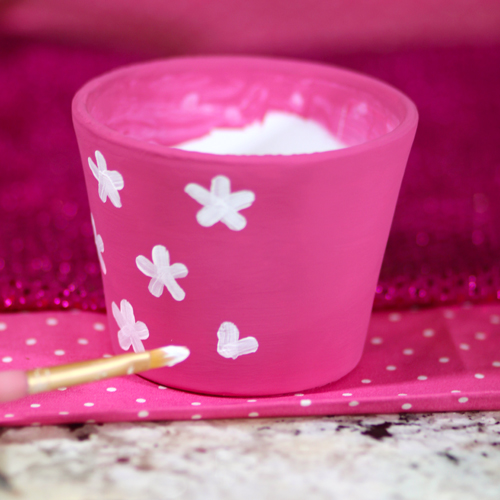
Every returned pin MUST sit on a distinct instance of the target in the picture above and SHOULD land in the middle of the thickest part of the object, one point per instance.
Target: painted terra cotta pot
(265, 267)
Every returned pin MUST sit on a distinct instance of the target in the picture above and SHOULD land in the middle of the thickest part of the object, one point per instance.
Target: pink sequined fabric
(445, 241)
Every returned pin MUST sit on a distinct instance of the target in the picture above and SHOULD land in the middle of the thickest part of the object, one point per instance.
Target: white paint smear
(230, 345)
(175, 354)
(279, 133)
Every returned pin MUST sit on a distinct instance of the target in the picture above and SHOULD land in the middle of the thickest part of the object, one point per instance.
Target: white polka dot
(496, 364)
(428, 332)
(8, 415)
(253, 414)
(88, 404)
(305, 402)
(495, 319)
(35, 405)
(444, 360)
(59, 352)
(366, 381)
(91, 421)
(143, 414)
(195, 403)
(408, 352)
(455, 391)
(111, 389)
(347, 394)
(251, 401)
(448, 314)
(354, 403)
(61, 388)
(464, 347)
(30, 341)
(83, 341)
(463, 400)
(3, 326)
(406, 406)
(479, 375)
(196, 417)
(162, 387)
(395, 317)
(99, 327)
(140, 400)
(64, 413)
(376, 340)
(51, 321)
(390, 368)
(7, 359)
(299, 394)
(402, 394)
(480, 336)
(422, 377)
(107, 356)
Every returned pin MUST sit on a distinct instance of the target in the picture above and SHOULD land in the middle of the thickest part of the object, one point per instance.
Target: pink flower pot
(265, 267)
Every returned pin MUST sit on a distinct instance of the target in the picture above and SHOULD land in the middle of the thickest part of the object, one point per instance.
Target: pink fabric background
(415, 361)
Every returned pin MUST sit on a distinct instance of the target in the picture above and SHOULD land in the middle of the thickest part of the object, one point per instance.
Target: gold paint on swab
(50, 379)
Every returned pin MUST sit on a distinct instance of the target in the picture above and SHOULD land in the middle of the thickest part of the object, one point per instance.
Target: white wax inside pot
(279, 133)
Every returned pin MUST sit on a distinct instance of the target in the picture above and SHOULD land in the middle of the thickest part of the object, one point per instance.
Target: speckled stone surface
(390, 457)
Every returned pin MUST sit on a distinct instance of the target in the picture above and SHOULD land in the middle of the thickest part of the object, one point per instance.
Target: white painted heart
(230, 345)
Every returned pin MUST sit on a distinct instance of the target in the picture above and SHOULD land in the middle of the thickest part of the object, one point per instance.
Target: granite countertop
(394, 457)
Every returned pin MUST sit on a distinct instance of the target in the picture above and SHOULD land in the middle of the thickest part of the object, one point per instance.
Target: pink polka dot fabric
(414, 361)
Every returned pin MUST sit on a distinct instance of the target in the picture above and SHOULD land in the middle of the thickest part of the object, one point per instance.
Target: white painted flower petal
(145, 266)
(124, 340)
(178, 270)
(210, 215)
(234, 221)
(161, 257)
(101, 162)
(198, 193)
(99, 243)
(103, 190)
(116, 179)
(220, 186)
(175, 290)
(162, 274)
(137, 345)
(110, 181)
(128, 311)
(118, 315)
(110, 189)
(219, 204)
(241, 199)
(131, 332)
(156, 287)
(94, 168)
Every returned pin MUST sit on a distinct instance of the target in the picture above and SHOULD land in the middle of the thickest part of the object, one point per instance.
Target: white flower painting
(99, 245)
(230, 345)
(219, 204)
(110, 181)
(162, 274)
(131, 332)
